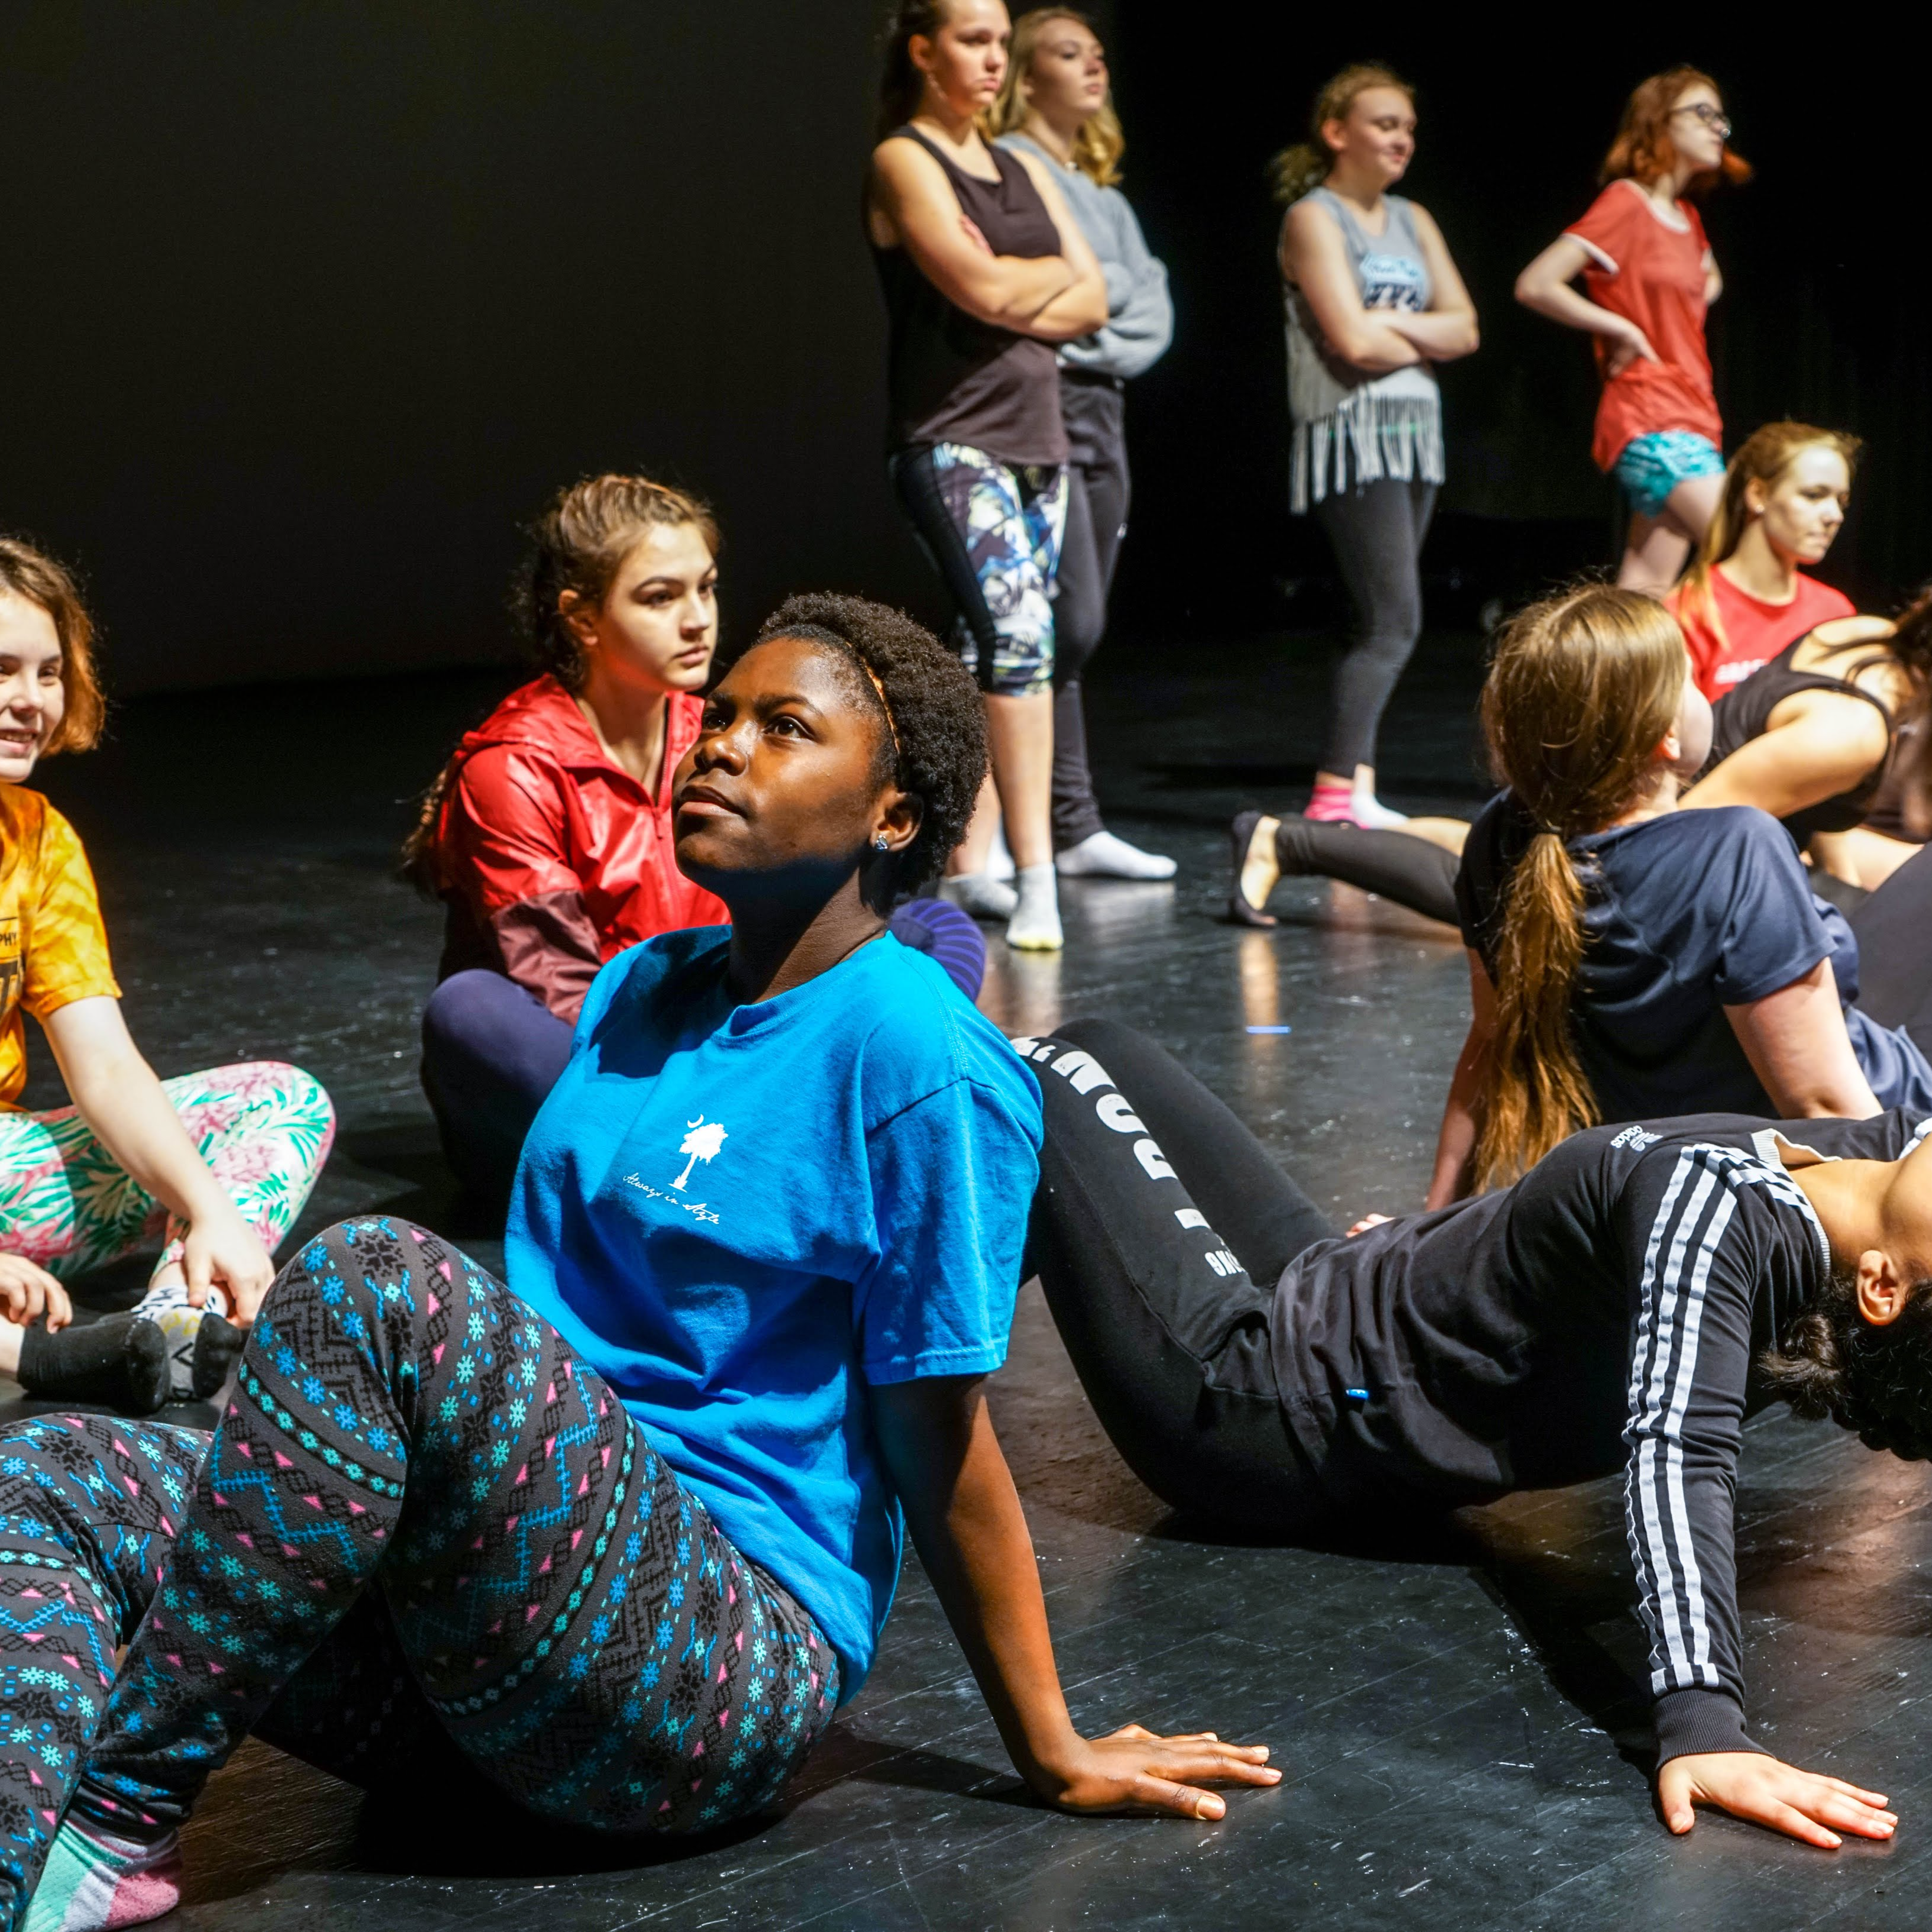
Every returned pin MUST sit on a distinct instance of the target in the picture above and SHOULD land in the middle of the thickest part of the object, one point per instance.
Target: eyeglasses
(1713, 118)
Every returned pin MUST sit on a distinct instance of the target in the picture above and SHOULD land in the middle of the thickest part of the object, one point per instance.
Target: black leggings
(1376, 531)
(1094, 410)
(1411, 872)
(1160, 1229)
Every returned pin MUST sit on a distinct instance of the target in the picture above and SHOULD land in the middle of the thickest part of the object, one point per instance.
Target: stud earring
(882, 844)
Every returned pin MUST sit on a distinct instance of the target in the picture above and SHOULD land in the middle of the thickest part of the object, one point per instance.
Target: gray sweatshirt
(1140, 313)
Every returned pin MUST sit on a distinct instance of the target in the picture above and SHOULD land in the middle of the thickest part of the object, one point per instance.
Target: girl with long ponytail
(1629, 960)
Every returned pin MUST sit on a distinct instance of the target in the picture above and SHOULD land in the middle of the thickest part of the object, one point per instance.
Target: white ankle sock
(1102, 855)
(1035, 925)
(980, 894)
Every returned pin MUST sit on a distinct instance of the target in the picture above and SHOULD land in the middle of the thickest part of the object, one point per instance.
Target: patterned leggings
(993, 532)
(550, 1603)
(264, 1129)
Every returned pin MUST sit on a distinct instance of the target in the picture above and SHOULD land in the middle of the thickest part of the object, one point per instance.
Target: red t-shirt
(1642, 268)
(1744, 633)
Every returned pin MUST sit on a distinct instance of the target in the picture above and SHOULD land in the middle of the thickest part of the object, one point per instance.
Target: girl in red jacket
(548, 834)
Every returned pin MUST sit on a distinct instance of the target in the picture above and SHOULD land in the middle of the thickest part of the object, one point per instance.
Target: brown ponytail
(1584, 688)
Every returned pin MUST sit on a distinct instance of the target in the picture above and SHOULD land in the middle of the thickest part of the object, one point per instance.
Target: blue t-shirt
(1685, 914)
(740, 1216)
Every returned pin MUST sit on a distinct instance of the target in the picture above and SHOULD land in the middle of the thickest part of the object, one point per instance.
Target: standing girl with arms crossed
(985, 272)
(1055, 107)
(1372, 299)
(1650, 278)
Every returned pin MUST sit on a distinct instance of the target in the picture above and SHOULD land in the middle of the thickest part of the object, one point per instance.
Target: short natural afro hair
(1874, 1380)
(935, 713)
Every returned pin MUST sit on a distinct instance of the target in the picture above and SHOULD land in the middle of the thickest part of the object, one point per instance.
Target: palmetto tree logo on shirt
(701, 1143)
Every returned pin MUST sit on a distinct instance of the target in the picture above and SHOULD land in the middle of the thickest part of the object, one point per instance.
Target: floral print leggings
(264, 1129)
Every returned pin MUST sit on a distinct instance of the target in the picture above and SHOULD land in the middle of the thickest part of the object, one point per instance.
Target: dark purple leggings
(492, 1052)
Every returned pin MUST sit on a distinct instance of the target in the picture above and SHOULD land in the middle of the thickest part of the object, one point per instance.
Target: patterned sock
(1330, 802)
(94, 1881)
(181, 1327)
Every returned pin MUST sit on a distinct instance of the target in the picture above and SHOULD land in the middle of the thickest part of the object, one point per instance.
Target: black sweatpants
(1376, 531)
(1099, 489)
(1160, 1229)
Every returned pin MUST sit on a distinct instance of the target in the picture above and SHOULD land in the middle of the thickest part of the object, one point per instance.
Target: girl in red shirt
(1650, 277)
(1744, 599)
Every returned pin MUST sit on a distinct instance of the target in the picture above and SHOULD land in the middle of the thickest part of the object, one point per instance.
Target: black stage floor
(1463, 1728)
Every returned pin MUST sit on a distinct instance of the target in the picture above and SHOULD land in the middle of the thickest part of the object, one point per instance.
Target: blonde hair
(1295, 170)
(1098, 145)
(1763, 456)
(1583, 688)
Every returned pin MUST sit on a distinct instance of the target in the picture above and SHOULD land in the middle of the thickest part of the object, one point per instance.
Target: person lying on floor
(631, 1523)
(548, 833)
(1619, 1309)
(216, 1165)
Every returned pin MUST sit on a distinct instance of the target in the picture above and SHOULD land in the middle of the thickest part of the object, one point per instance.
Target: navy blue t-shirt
(1685, 914)
(744, 1216)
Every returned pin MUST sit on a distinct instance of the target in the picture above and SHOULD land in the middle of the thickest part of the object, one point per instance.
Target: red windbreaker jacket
(552, 859)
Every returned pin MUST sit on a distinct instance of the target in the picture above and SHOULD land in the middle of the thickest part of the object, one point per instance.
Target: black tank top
(1744, 713)
(952, 378)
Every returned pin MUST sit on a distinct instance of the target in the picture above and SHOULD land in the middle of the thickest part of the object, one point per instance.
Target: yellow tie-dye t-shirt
(53, 949)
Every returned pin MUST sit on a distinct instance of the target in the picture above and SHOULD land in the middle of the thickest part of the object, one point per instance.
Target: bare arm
(1313, 259)
(1081, 307)
(912, 205)
(1455, 1144)
(971, 1534)
(120, 1098)
(1714, 279)
(1818, 744)
(1796, 1043)
(1447, 329)
(1545, 287)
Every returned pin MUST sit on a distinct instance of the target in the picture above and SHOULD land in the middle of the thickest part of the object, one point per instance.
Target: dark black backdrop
(309, 304)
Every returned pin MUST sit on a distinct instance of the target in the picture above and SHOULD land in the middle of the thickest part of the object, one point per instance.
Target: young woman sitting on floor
(547, 834)
(216, 1165)
(1628, 960)
(623, 1533)
(1605, 1313)
(1638, 960)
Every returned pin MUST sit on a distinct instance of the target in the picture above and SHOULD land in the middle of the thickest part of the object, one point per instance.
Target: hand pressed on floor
(1133, 1769)
(1748, 1784)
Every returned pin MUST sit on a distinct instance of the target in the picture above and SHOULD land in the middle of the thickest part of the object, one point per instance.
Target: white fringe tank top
(1350, 429)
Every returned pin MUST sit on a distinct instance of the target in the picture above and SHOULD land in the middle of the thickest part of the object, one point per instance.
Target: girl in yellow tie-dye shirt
(217, 1164)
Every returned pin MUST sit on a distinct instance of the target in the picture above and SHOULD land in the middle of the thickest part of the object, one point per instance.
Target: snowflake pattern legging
(551, 1607)
(264, 1129)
